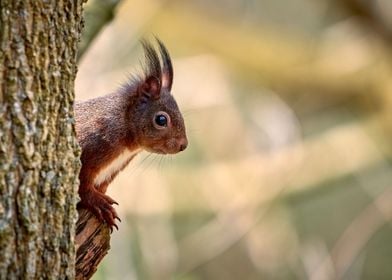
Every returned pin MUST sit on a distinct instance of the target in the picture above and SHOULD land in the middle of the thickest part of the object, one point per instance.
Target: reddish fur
(109, 125)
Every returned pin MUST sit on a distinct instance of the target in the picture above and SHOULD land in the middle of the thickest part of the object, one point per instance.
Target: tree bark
(39, 155)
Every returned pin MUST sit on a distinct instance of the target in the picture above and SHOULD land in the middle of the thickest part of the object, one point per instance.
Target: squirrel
(113, 129)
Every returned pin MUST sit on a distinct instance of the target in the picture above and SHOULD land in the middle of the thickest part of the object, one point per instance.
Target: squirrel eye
(161, 120)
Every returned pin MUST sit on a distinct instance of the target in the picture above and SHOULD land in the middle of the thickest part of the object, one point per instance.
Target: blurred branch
(367, 12)
(97, 14)
(92, 244)
(357, 235)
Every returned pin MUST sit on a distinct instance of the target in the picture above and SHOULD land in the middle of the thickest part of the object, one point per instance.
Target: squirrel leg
(103, 187)
(100, 205)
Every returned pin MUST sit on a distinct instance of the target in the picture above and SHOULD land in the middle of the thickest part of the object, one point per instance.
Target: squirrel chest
(106, 173)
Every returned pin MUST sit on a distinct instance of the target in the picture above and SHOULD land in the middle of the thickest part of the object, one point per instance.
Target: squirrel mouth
(161, 150)
(157, 151)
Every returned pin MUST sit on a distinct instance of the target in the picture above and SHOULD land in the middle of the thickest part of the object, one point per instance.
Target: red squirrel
(112, 129)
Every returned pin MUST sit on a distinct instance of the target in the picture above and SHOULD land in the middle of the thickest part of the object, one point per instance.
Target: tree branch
(97, 14)
(92, 244)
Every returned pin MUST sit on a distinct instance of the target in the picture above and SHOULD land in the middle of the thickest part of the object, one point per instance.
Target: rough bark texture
(92, 244)
(38, 149)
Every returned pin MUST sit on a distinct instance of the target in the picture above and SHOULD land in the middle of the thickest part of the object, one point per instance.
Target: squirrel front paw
(101, 206)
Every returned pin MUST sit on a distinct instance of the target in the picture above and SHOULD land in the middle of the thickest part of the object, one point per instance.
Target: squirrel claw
(111, 228)
(101, 206)
(110, 217)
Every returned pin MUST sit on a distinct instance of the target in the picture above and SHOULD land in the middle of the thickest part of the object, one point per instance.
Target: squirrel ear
(150, 88)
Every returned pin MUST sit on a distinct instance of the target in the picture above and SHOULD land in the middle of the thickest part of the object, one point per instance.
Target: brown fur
(123, 121)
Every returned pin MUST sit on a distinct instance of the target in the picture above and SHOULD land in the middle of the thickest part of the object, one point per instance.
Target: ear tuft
(167, 70)
(152, 66)
(157, 71)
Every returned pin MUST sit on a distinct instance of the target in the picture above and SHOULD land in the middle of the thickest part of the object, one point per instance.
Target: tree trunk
(38, 149)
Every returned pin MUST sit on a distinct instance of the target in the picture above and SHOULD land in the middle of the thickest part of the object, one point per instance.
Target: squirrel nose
(183, 143)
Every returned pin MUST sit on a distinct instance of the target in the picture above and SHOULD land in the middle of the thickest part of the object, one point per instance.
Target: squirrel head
(157, 123)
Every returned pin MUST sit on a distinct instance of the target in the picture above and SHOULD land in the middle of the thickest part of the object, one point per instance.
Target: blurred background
(288, 110)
